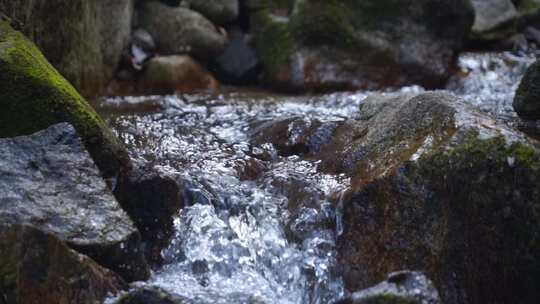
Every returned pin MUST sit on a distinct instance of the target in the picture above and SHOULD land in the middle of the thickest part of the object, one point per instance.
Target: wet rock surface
(400, 287)
(178, 30)
(492, 13)
(152, 199)
(50, 181)
(455, 200)
(151, 295)
(37, 267)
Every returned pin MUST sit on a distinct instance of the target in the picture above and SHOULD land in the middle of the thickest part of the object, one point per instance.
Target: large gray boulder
(325, 45)
(219, 11)
(36, 267)
(82, 39)
(49, 180)
(441, 188)
(178, 30)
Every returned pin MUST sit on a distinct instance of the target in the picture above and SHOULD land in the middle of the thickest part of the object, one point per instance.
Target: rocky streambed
(303, 199)
(401, 196)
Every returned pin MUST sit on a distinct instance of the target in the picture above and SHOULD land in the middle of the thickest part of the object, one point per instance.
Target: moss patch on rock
(33, 96)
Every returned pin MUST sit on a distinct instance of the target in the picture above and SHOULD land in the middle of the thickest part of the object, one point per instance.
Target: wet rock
(82, 39)
(328, 45)
(489, 14)
(527, 99)
(446, 190)
(151, 295)
(238, 64)
(151, 198)
(178, 30)
(167, 75)
(33, 96)
(49, 180)
(399, 287)
(219, 11)
(294, 135)
(36, 267)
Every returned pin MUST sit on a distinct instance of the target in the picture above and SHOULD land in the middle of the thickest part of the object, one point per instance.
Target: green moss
(274, 43)
(323, 23)
(390, 299)
(33, 96)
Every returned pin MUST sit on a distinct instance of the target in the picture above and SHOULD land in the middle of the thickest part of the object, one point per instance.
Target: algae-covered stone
(442, 188)
(322, 45)
(33, 96)
(527, 99)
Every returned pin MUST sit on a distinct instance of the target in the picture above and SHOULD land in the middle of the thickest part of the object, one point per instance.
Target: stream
(259, 227)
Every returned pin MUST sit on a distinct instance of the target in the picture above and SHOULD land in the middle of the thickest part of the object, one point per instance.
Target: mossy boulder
(527, 99)
(33, 96)
(219, 11)
(82, 39)
(322, 45)
(456, 197)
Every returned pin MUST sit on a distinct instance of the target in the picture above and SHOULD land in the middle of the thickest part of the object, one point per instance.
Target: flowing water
(259, 227)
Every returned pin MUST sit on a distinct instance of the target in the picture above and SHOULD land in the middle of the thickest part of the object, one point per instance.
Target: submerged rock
(49, 180)
(151, 198)
(399, 288)
(178, 30)
(326, 45)
(33, 96)
(446, 190)
(36, 267)
(82, 39)
(527, 99)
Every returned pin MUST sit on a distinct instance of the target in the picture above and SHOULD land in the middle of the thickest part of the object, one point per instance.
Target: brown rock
(36, 267)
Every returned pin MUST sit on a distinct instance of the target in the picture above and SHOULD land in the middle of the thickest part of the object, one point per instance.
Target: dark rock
(178, 30)
(527, 99)
(219, 11)
(399, 288)
(446, 190)
(50, 181)
(151, 198)
(82, 39)
(328, 45)
(34, 96)
(238, 64)
(294, 135)
(36, 267)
